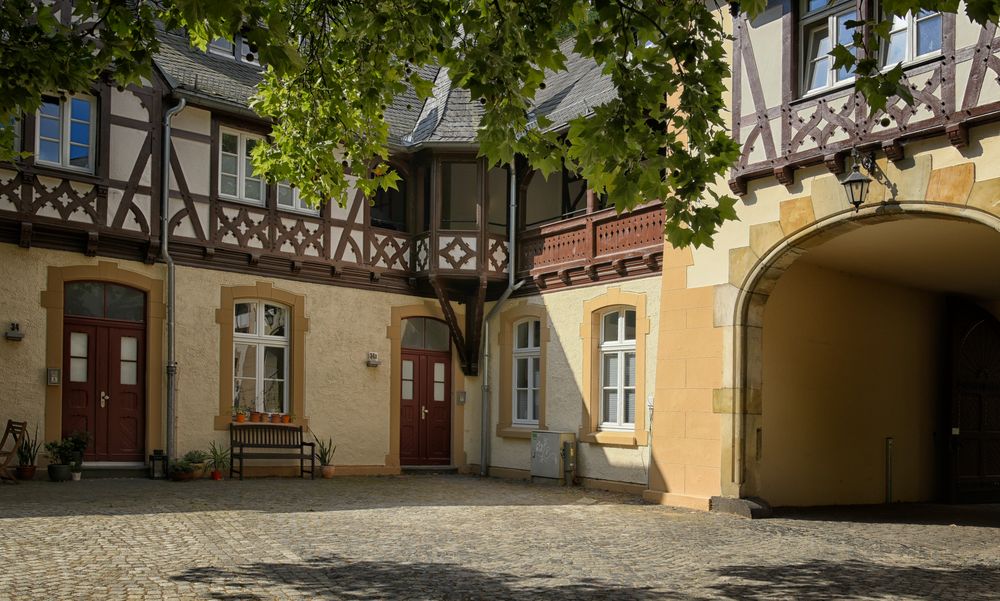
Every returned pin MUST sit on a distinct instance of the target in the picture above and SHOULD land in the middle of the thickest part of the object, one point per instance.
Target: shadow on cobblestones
(821, 579)
(985, 515)
(333, 577)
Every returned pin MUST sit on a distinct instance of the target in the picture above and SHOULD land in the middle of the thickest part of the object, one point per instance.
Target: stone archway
(742, 438)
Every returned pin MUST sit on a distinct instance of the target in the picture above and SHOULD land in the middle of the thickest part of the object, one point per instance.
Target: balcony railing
(591, 239)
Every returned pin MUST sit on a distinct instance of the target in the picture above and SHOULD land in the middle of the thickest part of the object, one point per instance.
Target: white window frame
(531, 353)
(241, 176)
(65, 122)
(809, 23)
(620, 347)
(911, 29)
(262, 341)
(238, 50)
(298, 205)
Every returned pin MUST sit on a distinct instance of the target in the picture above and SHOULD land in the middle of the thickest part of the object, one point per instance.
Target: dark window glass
(125, 303)
(458, 195)
(389, 208)
(499, 185)
(424, 333)
(110, 301)
(427, 173)
(575, 199)
(85, 299)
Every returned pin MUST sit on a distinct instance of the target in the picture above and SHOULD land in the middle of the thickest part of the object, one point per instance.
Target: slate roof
(448, 116)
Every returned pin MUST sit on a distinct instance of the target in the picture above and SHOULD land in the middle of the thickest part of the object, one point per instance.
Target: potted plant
(76, 470)
(181, 470)
(256, 416)
(219, 459)
(27, 454)
(287, 418)
(240, 414)
(66, 453)
(275, 418)
(197, 459)
(325, 452)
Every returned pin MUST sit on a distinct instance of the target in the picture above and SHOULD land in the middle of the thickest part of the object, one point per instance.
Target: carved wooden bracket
(893, 150)
(25, 240)
(958, 135)
(254, 259)
(296, 266)
(209, 252)
(92, 241)
(152, 251)
(650, 261)
(374, 276)
(785, 175)
(738, 185)
(835, 163)
(474, 310)
(592, 272)
(620, 267)
(539, 281)
(565, 277)
(336, 271)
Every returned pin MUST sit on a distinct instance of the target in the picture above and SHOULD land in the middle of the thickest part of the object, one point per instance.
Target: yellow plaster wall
(24, 273)
(564, 384)
(344, 399)
(848, 361)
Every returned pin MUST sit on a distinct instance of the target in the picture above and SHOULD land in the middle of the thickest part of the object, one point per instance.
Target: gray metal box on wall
(548, 456)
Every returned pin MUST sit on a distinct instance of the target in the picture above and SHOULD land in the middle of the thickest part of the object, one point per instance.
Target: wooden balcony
(592, 247)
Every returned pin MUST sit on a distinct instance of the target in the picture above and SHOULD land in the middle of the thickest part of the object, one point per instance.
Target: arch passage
(844, 371)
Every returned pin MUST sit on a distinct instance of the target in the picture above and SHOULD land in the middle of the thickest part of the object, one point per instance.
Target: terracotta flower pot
(216, 475)
(328, 471)
(286, 419)
(240, 418)
(181, 476)
(275, 418)
(255, 416)
(26, 472)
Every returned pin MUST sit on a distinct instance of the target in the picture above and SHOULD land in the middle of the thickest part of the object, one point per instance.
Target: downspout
(166, 258)
(485, 339)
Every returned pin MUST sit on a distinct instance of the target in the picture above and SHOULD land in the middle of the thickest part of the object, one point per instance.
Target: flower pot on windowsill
(240, 418)
(328, 471)
(286, 419)
(255, 416)
(26, 472)
(275, 418)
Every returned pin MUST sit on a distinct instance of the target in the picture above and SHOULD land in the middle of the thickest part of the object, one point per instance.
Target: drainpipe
(166, 258)
(485, 339)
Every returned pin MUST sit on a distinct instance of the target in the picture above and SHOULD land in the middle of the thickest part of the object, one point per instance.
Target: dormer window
(238, 49)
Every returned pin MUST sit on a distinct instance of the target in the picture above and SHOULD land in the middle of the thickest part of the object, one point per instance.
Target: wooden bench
(269, 436)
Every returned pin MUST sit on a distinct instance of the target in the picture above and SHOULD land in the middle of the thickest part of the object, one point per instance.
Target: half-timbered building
(363, 322)
(833, 354)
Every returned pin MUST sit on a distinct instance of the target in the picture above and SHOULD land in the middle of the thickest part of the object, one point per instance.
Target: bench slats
(244, 436)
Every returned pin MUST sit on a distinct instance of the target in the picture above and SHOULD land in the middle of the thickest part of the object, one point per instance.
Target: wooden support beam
(25, 240)
(452, 320)
(474, 327)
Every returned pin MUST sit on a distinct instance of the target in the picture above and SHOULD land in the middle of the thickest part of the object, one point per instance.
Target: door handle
(104, 399)
(423, 412)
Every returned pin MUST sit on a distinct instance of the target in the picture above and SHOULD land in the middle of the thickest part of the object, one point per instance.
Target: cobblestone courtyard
(456, 537)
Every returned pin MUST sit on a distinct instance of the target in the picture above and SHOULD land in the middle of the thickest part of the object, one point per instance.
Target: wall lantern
(856, 183)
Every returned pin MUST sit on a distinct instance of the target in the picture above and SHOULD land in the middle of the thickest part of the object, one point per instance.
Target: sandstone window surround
(523, 337)
(596, 428)
(294, 328)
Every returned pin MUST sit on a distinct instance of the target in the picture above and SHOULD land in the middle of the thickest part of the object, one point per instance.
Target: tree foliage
(334, 66)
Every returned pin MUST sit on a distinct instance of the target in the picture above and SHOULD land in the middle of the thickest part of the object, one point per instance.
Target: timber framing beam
(452, 320)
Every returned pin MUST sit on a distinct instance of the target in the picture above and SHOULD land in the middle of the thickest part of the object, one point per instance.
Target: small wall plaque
(53, 376)
(373, 360)
(14, 332)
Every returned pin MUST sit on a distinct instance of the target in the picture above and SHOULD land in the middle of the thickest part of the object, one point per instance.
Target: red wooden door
(104, 387)
(425, 408)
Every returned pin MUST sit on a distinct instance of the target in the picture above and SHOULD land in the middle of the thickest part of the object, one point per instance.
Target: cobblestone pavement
(456, 537)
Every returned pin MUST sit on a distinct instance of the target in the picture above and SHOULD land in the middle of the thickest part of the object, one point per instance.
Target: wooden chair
(14, 431)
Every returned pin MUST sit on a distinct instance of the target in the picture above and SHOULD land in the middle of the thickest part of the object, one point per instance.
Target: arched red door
(104, 369)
